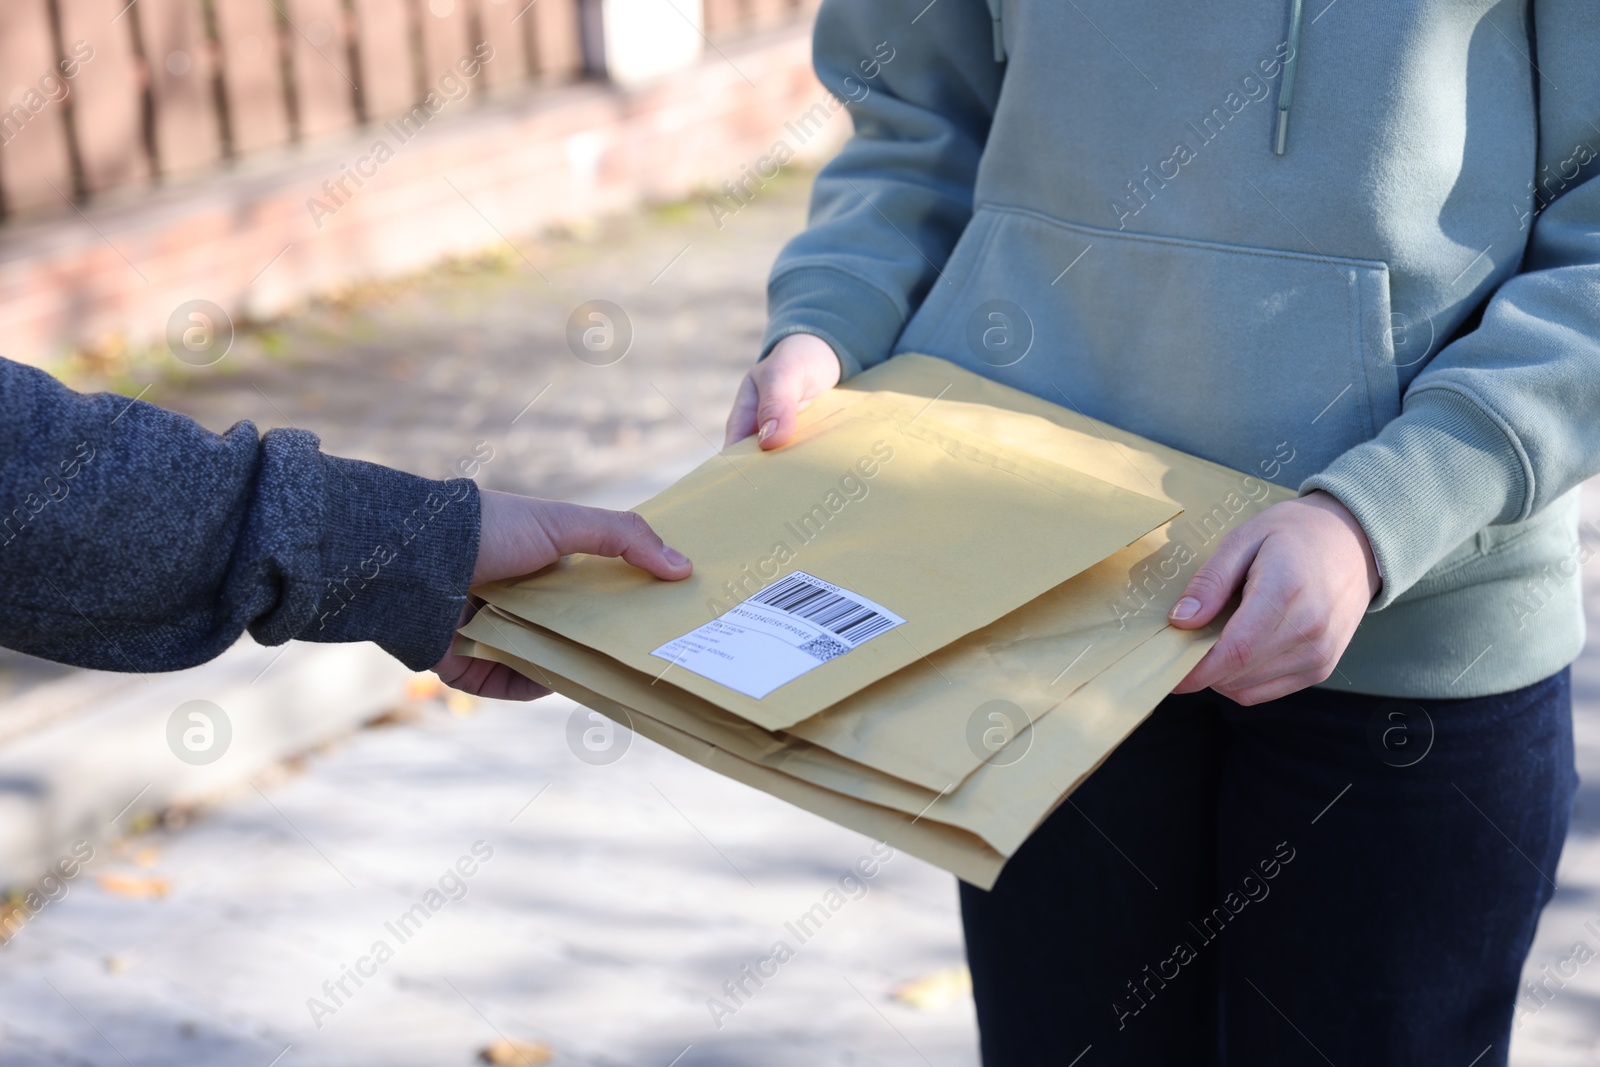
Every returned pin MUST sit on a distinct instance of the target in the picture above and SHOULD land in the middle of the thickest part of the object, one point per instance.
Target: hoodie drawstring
(995, 17)
(1280, 142)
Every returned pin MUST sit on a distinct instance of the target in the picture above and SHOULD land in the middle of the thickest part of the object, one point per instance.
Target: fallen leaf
(395, 717)
(13, 917)
(423, 687)
(506, 1053)
(460, 703)
(935, 991)
(135, 886)
(147, 857)
(116, 963)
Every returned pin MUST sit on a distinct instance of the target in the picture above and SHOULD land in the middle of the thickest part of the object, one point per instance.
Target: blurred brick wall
(278, 228)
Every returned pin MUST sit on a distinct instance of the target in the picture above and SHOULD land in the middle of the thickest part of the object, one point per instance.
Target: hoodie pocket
(1268, 361)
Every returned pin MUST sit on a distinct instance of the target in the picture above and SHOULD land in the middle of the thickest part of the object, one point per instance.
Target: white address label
(794, 625)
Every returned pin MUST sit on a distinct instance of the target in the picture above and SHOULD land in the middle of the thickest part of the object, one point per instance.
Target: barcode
(843, 615)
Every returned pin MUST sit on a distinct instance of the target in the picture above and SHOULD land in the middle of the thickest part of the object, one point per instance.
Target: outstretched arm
(134, 539)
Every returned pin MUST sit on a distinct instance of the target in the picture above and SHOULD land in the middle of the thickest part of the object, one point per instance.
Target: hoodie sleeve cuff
(856, 318)
(397, 553)
(1434, 477)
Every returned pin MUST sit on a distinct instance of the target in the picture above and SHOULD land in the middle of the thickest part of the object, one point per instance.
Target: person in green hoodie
(1353, 248)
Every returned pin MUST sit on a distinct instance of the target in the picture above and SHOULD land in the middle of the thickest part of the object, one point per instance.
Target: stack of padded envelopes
(928, 618)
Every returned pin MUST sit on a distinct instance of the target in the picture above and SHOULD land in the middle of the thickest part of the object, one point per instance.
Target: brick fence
(477, 170)
(97, 95)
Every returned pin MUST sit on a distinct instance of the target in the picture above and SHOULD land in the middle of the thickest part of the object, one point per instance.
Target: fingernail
(1184, 609)
(673, 556)
(768, 428)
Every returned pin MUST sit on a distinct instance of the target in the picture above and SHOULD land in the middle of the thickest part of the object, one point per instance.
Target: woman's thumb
(1214, 584)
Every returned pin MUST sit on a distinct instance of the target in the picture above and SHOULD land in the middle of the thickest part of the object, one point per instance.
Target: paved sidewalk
(606, 902)
(417, 373)
(615, 900)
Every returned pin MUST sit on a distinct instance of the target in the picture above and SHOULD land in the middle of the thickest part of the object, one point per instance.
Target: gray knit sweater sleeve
(133, 539)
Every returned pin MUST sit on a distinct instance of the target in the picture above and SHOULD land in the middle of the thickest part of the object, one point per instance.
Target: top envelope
(873, 539)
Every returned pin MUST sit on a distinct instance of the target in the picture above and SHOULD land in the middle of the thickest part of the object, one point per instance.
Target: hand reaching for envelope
(1303, 569)
(520, 535)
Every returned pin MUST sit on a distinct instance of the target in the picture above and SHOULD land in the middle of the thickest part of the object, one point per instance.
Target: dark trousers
(1325, 879)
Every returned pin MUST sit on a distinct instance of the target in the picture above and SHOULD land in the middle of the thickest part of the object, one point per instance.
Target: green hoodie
(1402, 308)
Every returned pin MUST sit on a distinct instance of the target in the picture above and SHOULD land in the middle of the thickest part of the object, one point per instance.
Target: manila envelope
(970, 832)
(878, 523)
(1068, 650)
(916, 723)
(1000, 802)
(946, 847)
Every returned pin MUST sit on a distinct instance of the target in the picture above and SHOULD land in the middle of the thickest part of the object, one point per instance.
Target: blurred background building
(244, 152)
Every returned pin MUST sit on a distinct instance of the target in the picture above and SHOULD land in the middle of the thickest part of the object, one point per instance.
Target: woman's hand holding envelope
(520, 535)
(1308, 575)
(800, 368)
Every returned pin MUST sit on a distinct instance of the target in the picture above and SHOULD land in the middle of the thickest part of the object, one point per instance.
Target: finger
(1277, 688)
(742, 419)
(1218, 579)
(573, 528)
(1296, 660)
(1249, 640)
(504, 683)
(462, 672)
(486, 678)
(782, 386)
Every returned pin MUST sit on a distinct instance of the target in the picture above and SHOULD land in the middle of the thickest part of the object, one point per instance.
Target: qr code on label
(824, 648)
